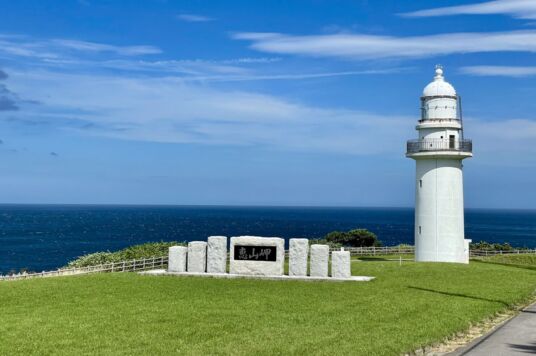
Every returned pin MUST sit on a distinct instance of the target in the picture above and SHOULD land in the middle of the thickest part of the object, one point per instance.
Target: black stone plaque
(255, 253)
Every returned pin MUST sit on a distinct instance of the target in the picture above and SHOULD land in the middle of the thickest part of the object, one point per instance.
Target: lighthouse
(438, 153)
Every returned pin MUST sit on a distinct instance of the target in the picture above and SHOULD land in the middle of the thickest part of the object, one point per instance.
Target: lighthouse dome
(439, 87)
(439, 100)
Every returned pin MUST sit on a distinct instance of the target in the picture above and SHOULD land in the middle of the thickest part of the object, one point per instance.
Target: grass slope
(407, 307)
(520, 260)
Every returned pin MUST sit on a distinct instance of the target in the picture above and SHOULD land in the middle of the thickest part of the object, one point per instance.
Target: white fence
(410, 250)
(373, 251)
(161, 262)
(481, 253)
(122, 266)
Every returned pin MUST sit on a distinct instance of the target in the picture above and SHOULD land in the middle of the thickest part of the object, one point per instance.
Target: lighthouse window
(420, 183)
(420, 230)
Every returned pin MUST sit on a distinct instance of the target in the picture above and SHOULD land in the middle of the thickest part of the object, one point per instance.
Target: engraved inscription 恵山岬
(255, 253)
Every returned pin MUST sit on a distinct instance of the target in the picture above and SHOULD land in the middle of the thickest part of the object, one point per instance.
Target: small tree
(354, 238)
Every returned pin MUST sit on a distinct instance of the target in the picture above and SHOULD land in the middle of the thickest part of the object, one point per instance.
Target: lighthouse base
(439, 215)
(461, 256)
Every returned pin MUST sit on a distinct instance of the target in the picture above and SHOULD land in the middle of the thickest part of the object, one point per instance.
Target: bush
(483, 245)
(354, 238)
(146, 250)
(333, 245)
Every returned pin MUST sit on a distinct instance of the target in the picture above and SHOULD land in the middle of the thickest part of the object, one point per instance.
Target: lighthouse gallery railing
(415, 146)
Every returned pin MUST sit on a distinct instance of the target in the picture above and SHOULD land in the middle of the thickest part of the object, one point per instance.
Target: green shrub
(487, 246)
(324, 242)
(354, 238)
(146, 250)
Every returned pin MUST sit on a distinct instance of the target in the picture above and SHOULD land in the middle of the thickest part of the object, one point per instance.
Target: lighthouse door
(452, 143)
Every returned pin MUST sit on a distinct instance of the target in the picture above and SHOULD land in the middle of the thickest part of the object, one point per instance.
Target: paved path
(515, 337)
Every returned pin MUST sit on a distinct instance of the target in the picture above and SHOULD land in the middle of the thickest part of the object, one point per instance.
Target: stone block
(254, 255)
(466, 250)
(197, 256)
(340, 264)
(298, 253)
(177, 259)
(217, 254)
(319, 260)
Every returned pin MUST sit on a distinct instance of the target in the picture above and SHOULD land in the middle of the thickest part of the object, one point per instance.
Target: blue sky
(258, 102)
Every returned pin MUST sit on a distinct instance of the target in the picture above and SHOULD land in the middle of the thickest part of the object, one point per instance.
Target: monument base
(163, 272)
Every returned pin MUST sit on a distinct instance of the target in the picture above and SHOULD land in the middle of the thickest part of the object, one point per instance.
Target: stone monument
(253, 255)
(177, 259)
(340, 264)
(319, 260)
(259, 257)
(217, 254)
(197, 256)
(298, 254)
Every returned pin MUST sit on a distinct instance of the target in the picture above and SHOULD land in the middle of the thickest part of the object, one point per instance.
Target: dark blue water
(46, 237)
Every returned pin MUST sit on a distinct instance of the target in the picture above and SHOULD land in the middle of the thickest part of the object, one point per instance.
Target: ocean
(45, 237)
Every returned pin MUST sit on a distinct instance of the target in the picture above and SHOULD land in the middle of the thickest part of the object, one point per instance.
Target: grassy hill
(520, 260)
(406, 307)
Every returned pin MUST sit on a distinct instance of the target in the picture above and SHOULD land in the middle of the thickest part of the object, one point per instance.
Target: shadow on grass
(533, 268)
(372, 259)
(460, 295)
(529, 349)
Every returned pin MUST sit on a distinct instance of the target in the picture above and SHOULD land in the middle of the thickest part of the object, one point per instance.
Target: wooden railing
(122, 266)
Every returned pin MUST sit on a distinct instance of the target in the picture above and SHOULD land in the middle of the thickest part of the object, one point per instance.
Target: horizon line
(241, 206)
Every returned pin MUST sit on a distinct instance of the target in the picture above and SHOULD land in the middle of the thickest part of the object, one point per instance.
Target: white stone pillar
(177, 259)
(319, 260)
(197, 256)
(217, 254)
(340, 264)
(298, 253)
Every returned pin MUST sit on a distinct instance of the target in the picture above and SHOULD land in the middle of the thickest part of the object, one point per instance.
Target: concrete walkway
(515, 337)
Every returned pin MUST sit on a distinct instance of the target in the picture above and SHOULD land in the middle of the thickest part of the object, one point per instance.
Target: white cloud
(523, 9)
(22, 46)
(85, 46)
(500, 71)
(70, 54)
(507, 142)
(359, 46)
(194, 18)
(171, 110)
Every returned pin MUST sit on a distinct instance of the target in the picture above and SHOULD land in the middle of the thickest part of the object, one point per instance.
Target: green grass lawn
(520, 260)
(406, 307)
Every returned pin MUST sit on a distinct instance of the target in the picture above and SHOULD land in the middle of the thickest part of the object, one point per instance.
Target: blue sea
(45, 237)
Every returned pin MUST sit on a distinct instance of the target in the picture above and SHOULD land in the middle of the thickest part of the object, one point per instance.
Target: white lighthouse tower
(438, 153)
